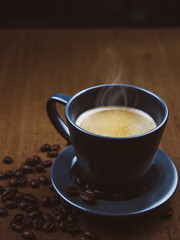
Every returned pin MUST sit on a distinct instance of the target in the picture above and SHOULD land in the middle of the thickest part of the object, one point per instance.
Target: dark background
(87, 13)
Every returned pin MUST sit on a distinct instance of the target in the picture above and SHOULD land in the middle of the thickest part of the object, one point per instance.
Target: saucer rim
(89, 208)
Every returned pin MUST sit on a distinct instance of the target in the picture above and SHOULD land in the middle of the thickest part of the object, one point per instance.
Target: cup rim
(116, 138)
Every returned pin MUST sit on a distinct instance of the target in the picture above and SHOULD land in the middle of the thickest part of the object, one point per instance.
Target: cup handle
(54, 116)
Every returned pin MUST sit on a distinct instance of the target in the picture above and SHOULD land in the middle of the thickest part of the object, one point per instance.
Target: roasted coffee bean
(52, 153)
(3, 212)
(72, 218)
(28, 221)
(99, 194)
(22, 181)
(30, 198)
(38, 223)
(2, 175)
(48, 226)
(35, 183)
(61, 217)
(90, 191)
(9, 174)
(46, 201)
(13, 181)
(24, 205)
(91, 235)
(47, 216)
(118, 196)
(73, 228)
(43, 180)
(35, 214)
(10, 188)
(47, 163)
(37, 160)
(7, 195)
(11, 204)
(8, 160)
(30, 162)
(28, 235)
(18, 227)
(19, 196)
(45, 147)
(1, 189)
(78, 181)
(83, 237)
(57, 210)
(167, 212)
(63, 224)
(19, 173)
(27, 169)
(72, 191)
(88, 198)
(19, 217)
(32, 208)
(51, 187)
(54, 200)
(39, 168)
(55, 147)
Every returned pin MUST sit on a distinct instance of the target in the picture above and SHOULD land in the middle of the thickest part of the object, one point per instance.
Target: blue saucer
(158, 188)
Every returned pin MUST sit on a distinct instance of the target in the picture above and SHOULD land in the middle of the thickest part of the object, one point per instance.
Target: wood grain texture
(34, 64)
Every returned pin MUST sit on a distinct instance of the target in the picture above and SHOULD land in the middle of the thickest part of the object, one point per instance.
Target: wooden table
(34, 64)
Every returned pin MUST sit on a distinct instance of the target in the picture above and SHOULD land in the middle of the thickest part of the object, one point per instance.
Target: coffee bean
(55, 147)
(54, 200)
(7, 195)
(17, 227)
(28, 235)
(51, 187)
(11, 204)
(83, 237)
(19, 217)
(73, 228)
(90, 191)
(72, 191)
(37, 160)
(19, 196)
(9, 174)
(35, 214)
(47, 163)
(91, 235)
(3, 212)
(22, 181)
(24, 205)
(45, 147)
(88, 198)
(32, 208)
(8, 160)
(39, 168)
(1, 189)
(10, 188)
(43, 180)
(30, 162)
(167, 212)
(52, 153)
(2, 175)
(28, 221)
(27, 169)
(46, 201)
(19, 173)
(72, 218)
(13, 181)
(30, 198)
(38, 223)
(47, 216)
(34, 183)
(61, 217)
(48, 226)
(57, 210)
(63, 224)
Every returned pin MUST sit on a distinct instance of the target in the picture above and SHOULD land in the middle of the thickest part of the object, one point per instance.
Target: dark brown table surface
(34, 64)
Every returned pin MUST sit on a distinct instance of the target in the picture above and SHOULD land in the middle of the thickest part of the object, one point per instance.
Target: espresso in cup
(113, 121)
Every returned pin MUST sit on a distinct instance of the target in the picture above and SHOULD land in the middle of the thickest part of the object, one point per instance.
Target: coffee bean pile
(30, 216)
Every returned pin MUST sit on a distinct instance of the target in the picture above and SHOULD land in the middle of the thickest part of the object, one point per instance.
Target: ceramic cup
(110, 164)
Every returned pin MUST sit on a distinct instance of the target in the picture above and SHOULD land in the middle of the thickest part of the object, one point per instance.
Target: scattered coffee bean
(9, 174)
(28, 221)
(35, 214)
(13, 181)
(34, 183)
(30, 197)
(57, 210)
(28, 235)
(30, 162)
(73, 228)
(51, 187)
(46, 201)
(22, 181)
(3, 212)
(8, 160)
(61, 217)
(37, 160)
(38, 222)
(8, 195)
(10, 188)
(11, 204)
(91, 235)
(72, 218)
(32, 208)
(43, 180)
(167, 212)
(19, 196)
(2, 175)
(88, 198)
(55, 147)
(54, 200)
(91, 192)
(47, 216)
(19, 173)
(83, 237)
(45, 147)
(18, 227)
(19, 217)
(47, 163)
(63, 224)
(24, 205)
(1, 189)
(39, 168)
(27, 168)
(48, 226)
(52, 153)
(72, 191)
